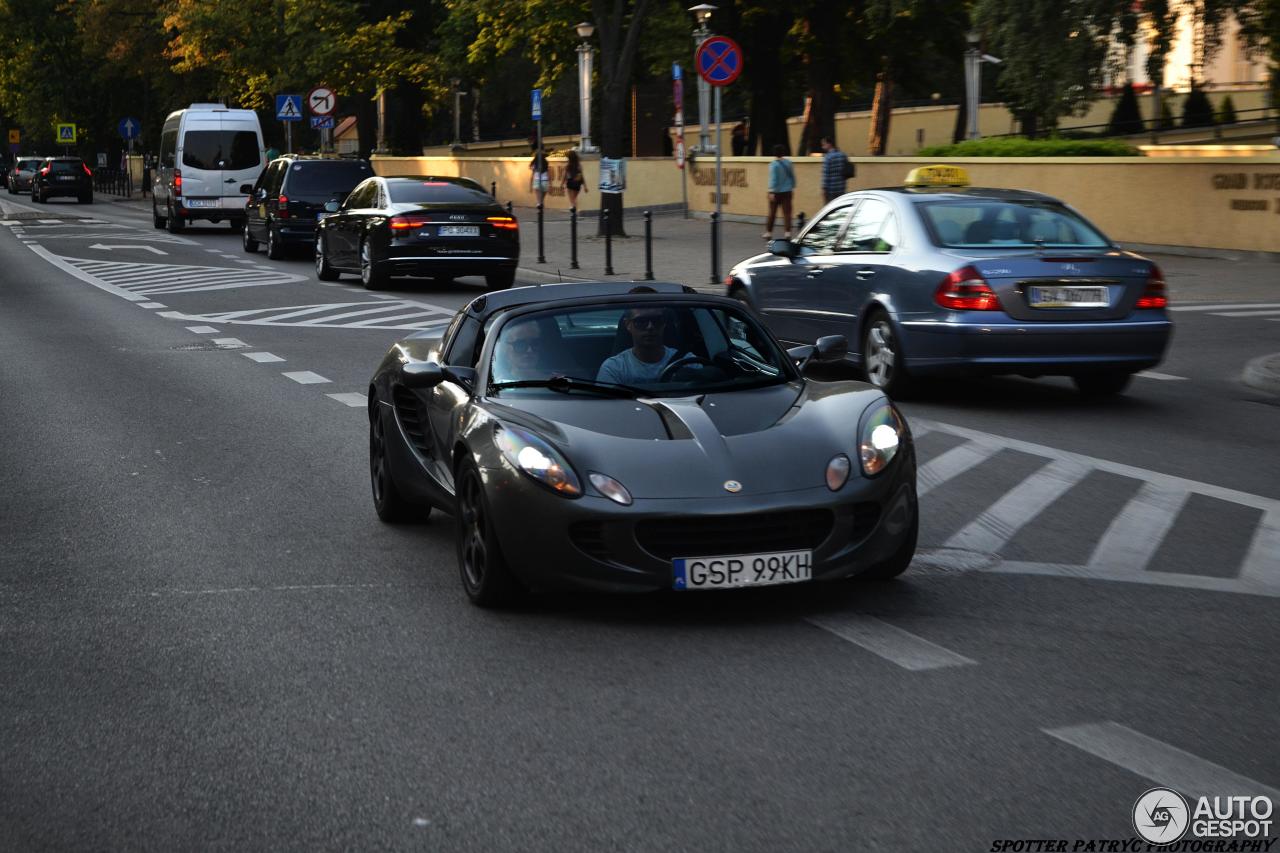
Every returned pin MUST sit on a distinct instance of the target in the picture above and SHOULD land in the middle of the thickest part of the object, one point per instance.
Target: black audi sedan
(617, 437)
(434, 227)
(64, 176)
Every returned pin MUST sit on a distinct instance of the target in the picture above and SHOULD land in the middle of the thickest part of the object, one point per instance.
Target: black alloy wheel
(486, 577)
(372, 276)
(390, 505)
(172, 222)
(275, 248)
(246, 240)
(157, 221)
(500, 280)
(324, 272)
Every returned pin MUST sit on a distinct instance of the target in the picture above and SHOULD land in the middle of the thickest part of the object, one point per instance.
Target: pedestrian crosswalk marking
(1125, 551)
(390, 314)
(148, 278)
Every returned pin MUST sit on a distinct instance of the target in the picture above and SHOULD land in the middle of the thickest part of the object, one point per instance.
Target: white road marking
(214, 251)
(993, 529)
(230, 343)
(151, 305)
(1158, 761)
(261, 357)
(1273, 312)
(951, 464)
(888, 641)
(85, 277)
(138, 246)
(1135, 534)
(398, 314)
(203, 330)
(1151, 374)
(1263, 558)
(49, 221)
(1224, 307)
(305, 377)
(352, 399)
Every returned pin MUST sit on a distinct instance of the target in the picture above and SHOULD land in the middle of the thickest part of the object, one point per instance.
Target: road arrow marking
(151, 249)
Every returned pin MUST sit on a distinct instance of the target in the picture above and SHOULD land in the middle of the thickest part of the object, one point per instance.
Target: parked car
(24, 169)
(207, 152)
(723, 466)
(937, 277)
(431, 226)
(62, 176)
(289, 198)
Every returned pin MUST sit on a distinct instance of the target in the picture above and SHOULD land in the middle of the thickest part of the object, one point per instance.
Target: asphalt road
(208, 640)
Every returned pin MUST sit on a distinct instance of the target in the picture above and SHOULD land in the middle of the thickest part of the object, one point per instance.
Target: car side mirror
(783, 248)
(331, 206)
(246, 189)
(421, 374)
(830, 348)
(261, 195)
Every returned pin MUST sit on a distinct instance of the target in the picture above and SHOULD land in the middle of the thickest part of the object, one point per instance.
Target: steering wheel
(682, 361)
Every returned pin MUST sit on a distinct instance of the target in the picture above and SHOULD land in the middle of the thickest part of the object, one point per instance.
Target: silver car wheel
(880, 355)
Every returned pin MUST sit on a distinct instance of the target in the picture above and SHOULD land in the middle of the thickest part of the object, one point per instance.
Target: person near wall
(833, 170)
(574, 181)
(738, 142)
(539, 175)
(782, 185)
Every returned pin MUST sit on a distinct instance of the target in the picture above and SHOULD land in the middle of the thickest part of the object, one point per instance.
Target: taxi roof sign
(937, 176)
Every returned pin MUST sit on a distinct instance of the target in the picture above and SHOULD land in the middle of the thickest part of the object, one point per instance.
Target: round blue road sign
(129, 128)
(719, 60)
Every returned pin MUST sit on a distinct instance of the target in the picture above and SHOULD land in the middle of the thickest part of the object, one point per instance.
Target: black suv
(21, 173)
(289, 198)
(63, 176)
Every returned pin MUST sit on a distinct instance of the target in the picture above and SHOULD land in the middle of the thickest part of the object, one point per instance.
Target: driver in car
(519, 353)
(648, 356)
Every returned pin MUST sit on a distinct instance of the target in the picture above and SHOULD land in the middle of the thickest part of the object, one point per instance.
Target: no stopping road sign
(719, 60)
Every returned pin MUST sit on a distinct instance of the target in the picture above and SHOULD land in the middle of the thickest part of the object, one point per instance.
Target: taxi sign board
(66, 133)
(322, 122)
(719, 60)
(937, 176)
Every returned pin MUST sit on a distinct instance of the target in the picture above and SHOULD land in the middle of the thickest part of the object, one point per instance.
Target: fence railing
(1246, 118)
(113, 181)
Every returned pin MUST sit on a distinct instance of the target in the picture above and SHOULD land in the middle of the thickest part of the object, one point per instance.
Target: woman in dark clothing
(573, 178)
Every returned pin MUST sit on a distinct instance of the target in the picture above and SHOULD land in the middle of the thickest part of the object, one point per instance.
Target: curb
(1263, 373)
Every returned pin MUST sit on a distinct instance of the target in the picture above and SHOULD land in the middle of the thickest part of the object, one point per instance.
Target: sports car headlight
(537, 459)
(881, 434)
(610, 488)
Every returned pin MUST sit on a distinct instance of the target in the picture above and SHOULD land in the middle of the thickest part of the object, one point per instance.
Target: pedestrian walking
(835, 168)
(539, 176)
(272, 153)
(738, 140)
(574, 181)
(782, 185)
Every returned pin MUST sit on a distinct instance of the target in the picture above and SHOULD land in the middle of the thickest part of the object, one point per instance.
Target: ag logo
(1160, 816)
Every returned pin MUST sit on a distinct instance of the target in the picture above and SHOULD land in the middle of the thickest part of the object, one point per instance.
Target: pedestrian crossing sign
(66, 134)
(289, 107)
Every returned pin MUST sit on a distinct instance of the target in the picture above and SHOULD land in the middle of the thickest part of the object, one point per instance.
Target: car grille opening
(410, 416)
(588, 537)
(790, 530)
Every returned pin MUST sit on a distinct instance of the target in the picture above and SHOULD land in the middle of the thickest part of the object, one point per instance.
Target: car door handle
(229, 181)
(814, 273)
(865, 273)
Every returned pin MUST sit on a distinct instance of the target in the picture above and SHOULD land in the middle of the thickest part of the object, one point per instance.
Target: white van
(206, 153)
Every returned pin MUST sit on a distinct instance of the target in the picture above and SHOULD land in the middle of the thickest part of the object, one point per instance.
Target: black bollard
(715, 248)
(542, 258)
(648, 246)
(573, 238)
(799, 221)
(493, 188)
(608, 242)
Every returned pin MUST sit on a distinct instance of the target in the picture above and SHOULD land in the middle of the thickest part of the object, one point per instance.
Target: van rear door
(242, 161)
(201, 144)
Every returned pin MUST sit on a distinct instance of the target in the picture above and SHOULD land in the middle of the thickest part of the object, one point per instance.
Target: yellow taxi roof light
(937, 176)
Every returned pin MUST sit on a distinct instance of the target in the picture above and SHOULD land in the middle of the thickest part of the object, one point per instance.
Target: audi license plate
(459, 230)
(202, 202)
(1068, 297)
(742, 570)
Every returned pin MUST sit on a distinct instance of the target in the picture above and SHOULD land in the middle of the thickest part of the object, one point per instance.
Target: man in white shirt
(648, 355)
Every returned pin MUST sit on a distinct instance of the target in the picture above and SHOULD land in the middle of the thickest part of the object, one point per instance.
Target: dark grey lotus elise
(624, 437)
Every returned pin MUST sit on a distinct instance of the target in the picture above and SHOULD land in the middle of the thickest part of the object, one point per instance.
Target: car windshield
(656, 348)
(996, 223)
(441, 192)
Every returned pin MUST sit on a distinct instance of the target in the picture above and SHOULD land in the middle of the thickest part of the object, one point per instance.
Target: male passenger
(648, 356)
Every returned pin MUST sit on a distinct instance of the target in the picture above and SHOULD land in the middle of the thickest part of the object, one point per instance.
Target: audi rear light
(1155, 295)
(177, 182)
(406, 223)
(506, 223)
(966, 290)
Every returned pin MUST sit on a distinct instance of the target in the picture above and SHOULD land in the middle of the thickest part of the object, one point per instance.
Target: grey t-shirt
(625, 369)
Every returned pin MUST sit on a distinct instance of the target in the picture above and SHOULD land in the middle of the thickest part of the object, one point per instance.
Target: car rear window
(220, 149)
(987, 223)
(65, 166)
(440, 192)
(29, 164)
(326, 178)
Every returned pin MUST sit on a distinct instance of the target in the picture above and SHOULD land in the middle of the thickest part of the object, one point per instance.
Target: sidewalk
(681, 248)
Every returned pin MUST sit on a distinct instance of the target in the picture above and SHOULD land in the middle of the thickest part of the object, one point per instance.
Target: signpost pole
(715, 261)
(288, 137)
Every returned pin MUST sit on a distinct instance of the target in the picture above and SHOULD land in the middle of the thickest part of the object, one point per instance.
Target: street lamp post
(702, 14)
(457, 112)
(585, 30)
(973, 59)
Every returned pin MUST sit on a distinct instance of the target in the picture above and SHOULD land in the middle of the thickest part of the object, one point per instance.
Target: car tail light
(85, 166)
(406, 223)
(45, 170)
(177, 182)
(283, 211)
(966, 290)
(1156, 294)
(506, 223)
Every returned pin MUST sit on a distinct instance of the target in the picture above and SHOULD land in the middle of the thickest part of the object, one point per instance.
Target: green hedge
(1016, 146)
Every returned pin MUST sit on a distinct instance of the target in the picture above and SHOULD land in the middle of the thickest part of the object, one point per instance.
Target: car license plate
(202, 202)
(742, 570)
(459, 230)
(66, 177)
(1068, 297)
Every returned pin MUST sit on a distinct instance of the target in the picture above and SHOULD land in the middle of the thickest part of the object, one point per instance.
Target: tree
(1196, 110)
(1126, 118)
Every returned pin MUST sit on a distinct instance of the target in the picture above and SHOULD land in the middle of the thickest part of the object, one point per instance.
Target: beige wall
(1219, 203)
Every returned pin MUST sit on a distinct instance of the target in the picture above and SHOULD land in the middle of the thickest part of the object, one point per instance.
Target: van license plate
(202, 202)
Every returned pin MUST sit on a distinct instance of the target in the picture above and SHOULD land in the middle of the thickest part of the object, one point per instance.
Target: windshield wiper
(565, 384)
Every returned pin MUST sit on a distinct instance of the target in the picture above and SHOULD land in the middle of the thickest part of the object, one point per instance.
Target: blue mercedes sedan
(939, 278)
